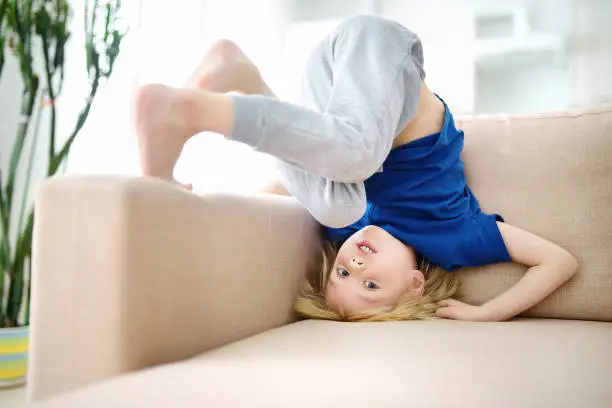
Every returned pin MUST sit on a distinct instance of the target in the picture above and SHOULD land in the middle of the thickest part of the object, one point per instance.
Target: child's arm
(550, 266)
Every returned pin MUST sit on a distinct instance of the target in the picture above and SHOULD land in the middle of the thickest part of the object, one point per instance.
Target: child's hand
(456, 310)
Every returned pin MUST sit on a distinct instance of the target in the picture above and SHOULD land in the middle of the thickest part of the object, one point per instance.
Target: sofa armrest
(130, 273)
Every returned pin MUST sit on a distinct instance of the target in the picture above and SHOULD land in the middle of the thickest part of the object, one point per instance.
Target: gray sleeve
(362, 88)
(332, 203)
(376, 85)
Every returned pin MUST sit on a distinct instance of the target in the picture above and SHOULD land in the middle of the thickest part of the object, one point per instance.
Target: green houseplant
(36, 33)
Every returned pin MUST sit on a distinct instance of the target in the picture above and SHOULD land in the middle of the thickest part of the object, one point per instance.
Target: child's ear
(416, 283)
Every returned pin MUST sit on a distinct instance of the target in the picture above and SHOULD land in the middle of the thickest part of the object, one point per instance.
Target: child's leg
(374, 66)
(367, 92)
(370, 52)
(166, 118)
(225, 68)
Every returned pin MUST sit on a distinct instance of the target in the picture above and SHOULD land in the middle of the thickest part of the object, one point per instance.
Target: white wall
(578, 76)
(521, 90)
(591, 52)
(447, 31)
(106, 144)
(530, 81)
(309, 10)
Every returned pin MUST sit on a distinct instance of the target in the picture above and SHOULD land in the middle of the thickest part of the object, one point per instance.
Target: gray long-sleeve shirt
(361, 89)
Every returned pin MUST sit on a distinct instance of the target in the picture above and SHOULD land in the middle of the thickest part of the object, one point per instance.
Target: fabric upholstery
(132, 273)
(529, 363)
(550, 174)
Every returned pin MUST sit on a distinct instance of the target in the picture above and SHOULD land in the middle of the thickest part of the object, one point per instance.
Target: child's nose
(356, 261)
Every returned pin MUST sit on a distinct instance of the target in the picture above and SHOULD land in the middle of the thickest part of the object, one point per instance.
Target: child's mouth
(366, 247)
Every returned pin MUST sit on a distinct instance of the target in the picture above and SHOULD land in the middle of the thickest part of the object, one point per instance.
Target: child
(374, 155)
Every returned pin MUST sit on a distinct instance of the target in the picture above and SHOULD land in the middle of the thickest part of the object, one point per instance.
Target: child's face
(373, 270)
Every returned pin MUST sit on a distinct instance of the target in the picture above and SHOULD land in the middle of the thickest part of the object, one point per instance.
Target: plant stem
(26, 321)
(2, 272)
(50, 92)
(14, 269)
(24, 251)
(18, 145)
(63, 153)
(4, 246)
(20, 21)
(26, 189)
(3, 11)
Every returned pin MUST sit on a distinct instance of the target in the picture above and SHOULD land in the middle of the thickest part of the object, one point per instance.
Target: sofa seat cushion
(523, 363)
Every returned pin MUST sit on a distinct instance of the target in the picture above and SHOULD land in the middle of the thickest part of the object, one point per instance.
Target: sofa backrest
(550, 174)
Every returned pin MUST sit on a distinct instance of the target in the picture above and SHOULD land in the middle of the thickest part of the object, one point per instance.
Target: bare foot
(162, 128)
(225, 68)
(163, 113)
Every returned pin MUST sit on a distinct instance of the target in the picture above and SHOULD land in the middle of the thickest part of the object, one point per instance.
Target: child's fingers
(188, 187)
(448, 302)
(444, 303)
(445, 313)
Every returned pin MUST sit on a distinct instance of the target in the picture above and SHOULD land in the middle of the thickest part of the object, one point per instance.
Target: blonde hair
(439, 285)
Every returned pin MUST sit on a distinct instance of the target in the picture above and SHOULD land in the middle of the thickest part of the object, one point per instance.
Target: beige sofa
(148, 296)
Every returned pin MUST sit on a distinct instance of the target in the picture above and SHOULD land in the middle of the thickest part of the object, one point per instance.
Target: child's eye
(369, 285)
(343, 273)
